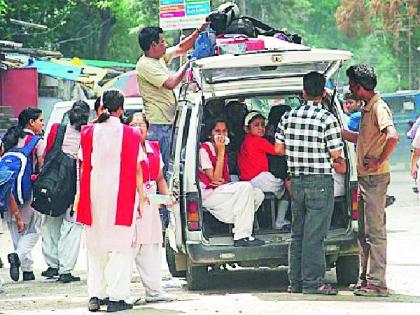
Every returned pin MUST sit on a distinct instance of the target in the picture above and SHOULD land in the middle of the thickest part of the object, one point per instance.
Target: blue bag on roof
(204, 45)
(16, 169)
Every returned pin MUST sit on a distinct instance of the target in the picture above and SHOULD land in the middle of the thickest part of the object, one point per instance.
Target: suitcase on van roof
(238, 44)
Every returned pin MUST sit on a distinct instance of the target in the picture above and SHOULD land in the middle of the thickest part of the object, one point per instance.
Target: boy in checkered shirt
(310, 137)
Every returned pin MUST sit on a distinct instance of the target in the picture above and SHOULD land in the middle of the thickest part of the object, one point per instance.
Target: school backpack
(55, 188)
(227, 20)
(16, 168)
(252, 28)
(204, 45)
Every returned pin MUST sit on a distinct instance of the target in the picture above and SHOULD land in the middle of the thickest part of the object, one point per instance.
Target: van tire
(170, 259)
(347, 270)
(197, 276)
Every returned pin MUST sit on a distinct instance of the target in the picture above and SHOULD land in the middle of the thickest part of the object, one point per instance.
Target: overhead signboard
(182, 14)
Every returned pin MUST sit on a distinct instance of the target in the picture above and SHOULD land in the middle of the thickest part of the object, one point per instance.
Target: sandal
(372, 291)
(324, 289)
(357, 286)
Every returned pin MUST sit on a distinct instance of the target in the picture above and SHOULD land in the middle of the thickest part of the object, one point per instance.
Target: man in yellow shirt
(376, 140)
(156, 83)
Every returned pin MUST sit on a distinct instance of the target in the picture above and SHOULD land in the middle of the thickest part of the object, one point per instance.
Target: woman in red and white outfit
(110, 190)
(149, 227)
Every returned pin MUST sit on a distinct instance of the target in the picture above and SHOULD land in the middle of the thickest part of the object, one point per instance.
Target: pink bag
(238, 44)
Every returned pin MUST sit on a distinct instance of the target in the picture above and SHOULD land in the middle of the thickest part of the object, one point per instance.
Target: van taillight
(354, 204)
(193, 213)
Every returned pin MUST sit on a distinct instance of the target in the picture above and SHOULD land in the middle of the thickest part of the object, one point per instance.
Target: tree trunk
(108, 21)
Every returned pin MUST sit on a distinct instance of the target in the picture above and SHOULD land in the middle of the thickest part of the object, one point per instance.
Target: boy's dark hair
(314, 84)
(112, 101)
(79, 114)
(148, 36)
(363, 75)
(352, 96)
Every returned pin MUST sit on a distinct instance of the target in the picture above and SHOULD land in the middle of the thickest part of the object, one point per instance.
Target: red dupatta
(127, 182)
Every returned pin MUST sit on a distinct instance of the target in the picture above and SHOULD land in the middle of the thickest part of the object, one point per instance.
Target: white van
(59, 112)
(195, 240)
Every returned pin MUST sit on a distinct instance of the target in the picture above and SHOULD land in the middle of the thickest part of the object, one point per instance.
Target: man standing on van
(156, 84)
(376, 140)
(310, 137)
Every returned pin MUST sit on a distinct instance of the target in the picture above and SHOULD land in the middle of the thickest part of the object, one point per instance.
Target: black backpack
(252, 28)
(55, 188)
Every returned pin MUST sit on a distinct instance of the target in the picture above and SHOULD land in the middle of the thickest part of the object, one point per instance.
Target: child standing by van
(26, 134)
(253, 163)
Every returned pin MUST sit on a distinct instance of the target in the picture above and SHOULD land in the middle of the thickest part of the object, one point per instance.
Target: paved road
(246, 291)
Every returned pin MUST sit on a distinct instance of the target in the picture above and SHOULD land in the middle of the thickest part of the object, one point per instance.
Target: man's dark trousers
(312, 208)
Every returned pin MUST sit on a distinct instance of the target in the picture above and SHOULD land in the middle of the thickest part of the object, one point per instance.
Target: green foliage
(107, 29)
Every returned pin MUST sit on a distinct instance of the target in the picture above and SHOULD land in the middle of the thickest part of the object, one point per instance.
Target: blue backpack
(16, 169)
(205, 45)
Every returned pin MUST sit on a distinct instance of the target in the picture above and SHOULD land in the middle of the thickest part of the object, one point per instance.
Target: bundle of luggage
(231, 33)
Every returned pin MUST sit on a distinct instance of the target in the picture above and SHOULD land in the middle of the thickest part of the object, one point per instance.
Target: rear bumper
(277, 252)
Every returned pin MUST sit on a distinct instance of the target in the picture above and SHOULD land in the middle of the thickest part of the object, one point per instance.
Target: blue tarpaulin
(56, 70)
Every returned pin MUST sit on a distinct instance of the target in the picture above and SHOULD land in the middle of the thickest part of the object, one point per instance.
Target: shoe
(389, 200)
(324, 289)
(163, 297)
(118, 306)
(248, 242)
(14, 261)
(50, 272)
(67, 277)
(294, 289)
(28, 276)
(104, 301)
(286, 228)
(372, 291)
(357, 286)
(1, 263)
(94, 304)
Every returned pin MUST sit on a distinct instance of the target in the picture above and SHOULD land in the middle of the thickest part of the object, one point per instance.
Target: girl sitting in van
(253, 163)
(232, 203)
(30, 126)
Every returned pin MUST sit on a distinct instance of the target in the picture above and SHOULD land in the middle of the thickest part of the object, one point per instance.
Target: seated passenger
(233, 203)
(235, 115)
(253, 163)
(277, 164)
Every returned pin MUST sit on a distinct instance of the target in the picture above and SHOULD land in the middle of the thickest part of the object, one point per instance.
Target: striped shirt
(309, 134)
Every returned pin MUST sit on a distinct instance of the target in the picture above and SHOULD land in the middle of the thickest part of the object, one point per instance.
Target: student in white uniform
(111, 186)
(233, 203)
(61, 235)
(30, 124)
(149, 227)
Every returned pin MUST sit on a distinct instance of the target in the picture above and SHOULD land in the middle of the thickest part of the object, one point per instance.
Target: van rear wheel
(347, 270)
(197, 276)
(170, 259)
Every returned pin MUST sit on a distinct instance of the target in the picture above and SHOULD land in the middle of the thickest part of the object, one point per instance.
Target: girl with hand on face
(149, 227)
(233, 203)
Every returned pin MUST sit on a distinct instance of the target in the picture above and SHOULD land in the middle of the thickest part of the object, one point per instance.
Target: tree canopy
(384, 33)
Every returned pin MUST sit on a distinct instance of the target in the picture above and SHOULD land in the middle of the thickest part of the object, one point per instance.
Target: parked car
(59, 113)
(195, 241)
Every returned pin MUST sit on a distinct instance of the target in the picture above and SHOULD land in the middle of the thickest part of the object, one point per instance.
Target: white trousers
(60, 242)
(235, 203)
(267, 182)
(148, 263)
(24, 242)
(109, 274)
